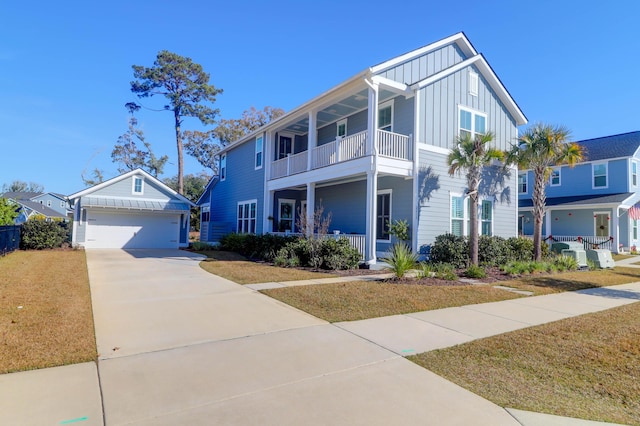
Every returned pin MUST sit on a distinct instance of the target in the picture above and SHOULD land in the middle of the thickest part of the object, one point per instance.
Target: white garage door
(132, 230)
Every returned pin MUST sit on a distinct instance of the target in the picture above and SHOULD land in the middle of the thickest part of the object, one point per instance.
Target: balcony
(390, 145)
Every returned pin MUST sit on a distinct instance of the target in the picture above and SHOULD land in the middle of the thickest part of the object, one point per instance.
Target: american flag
(634, 212)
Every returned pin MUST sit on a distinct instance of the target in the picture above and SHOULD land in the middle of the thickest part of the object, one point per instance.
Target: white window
(48, 203)
(223, 167)
(486, 218)
(522, 183)
(634, 173)
(259, 148)
(62, 204)
(457, 215)
(599, 175)
(634, 225)
(205, 214)
(554, 178)
(471, 123)
(341, 128)
(383, 215)
(286, 218)
(138, 185)
(247, 217)
(473, 83)
(385, 116)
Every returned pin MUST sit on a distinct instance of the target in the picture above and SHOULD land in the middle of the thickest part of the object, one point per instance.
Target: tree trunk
(176, 115)
(474, 183)
(539, 201)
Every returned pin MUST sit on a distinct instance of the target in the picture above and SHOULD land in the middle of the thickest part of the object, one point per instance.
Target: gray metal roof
(129, 204)
(580, 200)
(615, 146)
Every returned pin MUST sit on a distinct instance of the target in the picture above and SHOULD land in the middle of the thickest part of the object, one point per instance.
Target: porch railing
(290, 165)
(357, 241)
(394, 145)
(588, 241)
(342, 149)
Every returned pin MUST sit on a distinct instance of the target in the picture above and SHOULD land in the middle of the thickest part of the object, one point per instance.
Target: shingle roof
(622, 145)
(580, 200)
(40, 208)
(21, 195)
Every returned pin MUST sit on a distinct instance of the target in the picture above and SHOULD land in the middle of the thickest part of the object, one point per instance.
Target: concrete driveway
(181, 346)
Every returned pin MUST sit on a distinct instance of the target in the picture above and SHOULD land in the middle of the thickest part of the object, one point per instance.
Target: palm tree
(473, 154)
(539, 148)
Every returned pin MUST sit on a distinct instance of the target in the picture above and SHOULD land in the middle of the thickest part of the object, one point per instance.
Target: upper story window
(341, 128)
(223, 166)
(471, 123)
(259, 149)
(385, 116)
(522, 183)
(473, 83)
(599, 175)
(634, 173)
(138, 185)
(554, 178)
(48, 203)
(62, 204)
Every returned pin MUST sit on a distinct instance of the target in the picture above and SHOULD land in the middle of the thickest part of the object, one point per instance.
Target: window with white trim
(554, 177)
(473, 83)
(634, 173)
(383, 215)
(62, 204)
(471, 123)
(385, 116)
(522, 183)
(138, 185)
(48, 203)
(599, 171)
(634, 227)
(247, 217)
(259, 149)
(457, 215)
(205, 214)
(286, 215)
(223, 167)
(486, 218)
(341, 128)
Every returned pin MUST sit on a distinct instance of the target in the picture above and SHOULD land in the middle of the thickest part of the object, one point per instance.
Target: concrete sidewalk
(181, 346)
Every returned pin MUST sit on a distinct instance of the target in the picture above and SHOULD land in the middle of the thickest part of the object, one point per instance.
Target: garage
(132, 230)
(131, 211)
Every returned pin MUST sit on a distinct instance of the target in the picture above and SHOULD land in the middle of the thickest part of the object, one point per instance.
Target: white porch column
(268, 211)
(370, 235)
(311, 207)
(547, 221)
(615, 230)
(372, 119)
(267, 156)
(312, 138)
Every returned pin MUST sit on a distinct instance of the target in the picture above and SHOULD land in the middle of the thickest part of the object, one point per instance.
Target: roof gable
(137, 172)
(615, 146)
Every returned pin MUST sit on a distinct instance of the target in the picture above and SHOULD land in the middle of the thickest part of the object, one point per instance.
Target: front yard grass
(45, 310)
(238, 269)
(586, 367)
(358, 300)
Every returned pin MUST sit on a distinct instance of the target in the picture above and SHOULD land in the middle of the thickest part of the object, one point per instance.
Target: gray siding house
(373, 150)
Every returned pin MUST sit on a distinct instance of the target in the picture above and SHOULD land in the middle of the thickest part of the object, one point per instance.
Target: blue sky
(65, 67)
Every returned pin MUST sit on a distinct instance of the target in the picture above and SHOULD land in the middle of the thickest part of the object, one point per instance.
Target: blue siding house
(373, 150)
(596, 201)
(50, 205)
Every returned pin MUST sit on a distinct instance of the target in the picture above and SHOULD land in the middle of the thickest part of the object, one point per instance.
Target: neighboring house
(51, 206)
(373, 150)
(594, 201)
(133, 210)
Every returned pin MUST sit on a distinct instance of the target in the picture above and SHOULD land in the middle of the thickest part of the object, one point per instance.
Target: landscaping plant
(400, 259)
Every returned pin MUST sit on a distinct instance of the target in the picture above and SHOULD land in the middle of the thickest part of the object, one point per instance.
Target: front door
(601, 221)
(286, 216)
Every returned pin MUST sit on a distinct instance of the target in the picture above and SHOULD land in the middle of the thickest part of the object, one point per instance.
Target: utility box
(601, 257)
(572, 249)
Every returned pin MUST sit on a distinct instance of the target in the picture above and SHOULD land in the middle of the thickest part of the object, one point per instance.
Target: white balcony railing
(391, 145)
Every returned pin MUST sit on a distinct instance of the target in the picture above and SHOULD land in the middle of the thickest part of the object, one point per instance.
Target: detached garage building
(133, 210)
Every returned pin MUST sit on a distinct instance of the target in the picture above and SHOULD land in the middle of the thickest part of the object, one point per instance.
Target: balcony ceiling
(337, 111)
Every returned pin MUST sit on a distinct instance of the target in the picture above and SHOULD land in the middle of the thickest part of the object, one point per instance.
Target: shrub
(400, 229)
(340, 254)
(445, 271)
(41, 234)
(201, 246)
(493, 251)
(263, 247)
(520, 248)
(326, 254)
(475, 271)
(400, 259)
(452, 249)
(565, 263)
(426, 270)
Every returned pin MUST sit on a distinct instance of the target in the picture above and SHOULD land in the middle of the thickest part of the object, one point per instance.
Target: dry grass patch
(238, 269)
(365, 299)
(586, 367)
(45, 310)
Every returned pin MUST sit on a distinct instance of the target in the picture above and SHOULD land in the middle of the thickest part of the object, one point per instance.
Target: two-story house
(594, 201)
(373, 150)
(50, 205)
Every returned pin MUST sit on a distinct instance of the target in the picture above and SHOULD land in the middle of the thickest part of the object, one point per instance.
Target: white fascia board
(446, 72)
(125, 176)
(460, 39)
(393, 86)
